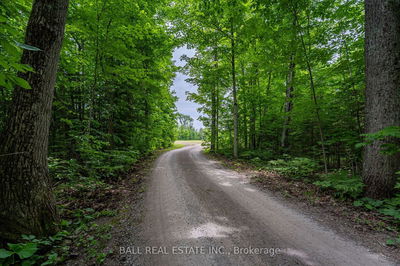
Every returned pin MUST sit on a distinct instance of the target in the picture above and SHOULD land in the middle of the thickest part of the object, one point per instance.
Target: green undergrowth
(80, 206)
(93, 158)
(81, 231)
(88, 191)
(342, 184)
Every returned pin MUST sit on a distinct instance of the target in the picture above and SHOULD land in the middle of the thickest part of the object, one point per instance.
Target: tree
(186, 131)
(288, 103)
(27, 205)
(234, 89)
(382, 106)
(214, 109)
(325, 41)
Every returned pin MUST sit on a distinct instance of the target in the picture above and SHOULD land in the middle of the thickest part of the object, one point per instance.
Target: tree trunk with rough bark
(252, 117)
(288, 104)
(234, 92)
(214, 90)
(27, 205)
(382, 57)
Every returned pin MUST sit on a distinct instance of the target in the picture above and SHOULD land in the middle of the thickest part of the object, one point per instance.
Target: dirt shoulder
(367, 228)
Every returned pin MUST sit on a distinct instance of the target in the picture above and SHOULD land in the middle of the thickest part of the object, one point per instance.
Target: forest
(307, 89)
(186, 130)
(287, 80)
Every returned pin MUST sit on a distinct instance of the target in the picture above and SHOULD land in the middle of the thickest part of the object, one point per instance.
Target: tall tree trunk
(235, 103)
(382, 54)
(260, 112)
(217, 114)
(244, 108)
(288, 103)
(245, 134)
(27, 204)
(213, 118)
(253, 114)
(214, 110)
(263, 125)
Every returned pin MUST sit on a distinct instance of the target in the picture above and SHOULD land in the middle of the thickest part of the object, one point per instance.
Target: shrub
(33, 251)
(298, 167)
(64, 169)
(389, 207)
(344, 184)
(94, 159)
(262, 155)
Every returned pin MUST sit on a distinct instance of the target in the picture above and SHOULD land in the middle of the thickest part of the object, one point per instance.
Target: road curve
(203, 214)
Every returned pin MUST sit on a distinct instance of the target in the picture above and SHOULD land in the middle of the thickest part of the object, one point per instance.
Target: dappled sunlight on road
(226, 184)
(301, 255)
(212, 230)
(250, 189)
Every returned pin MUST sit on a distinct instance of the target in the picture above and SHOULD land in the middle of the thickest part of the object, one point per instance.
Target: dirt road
(199, 213)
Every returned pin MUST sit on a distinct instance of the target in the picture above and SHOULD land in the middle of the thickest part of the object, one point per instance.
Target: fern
(342, 183)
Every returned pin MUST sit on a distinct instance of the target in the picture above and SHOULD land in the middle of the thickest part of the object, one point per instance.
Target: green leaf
(27, 47)
(369, 206)
(3, 82)
(51, 259)
(24, 250)
(4, 63)
(21, 67)
(5, 253)
(65, 223)
(10, 49)
(66, 121)
(391, 212)
(390, 242)
(28, 237)
(28, 262)
(22, 83)
(361, 145)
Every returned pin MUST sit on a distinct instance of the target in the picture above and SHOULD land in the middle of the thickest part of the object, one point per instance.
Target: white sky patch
(180, 86)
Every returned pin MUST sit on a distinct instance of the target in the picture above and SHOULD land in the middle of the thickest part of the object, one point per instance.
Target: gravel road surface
(200, 213)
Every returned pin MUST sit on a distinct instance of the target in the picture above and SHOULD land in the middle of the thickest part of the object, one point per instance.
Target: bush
(113, 162)
(389, 207)
(344, 184)
(262, 155)
(94, 159)
(298, 167)
(33, 251)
